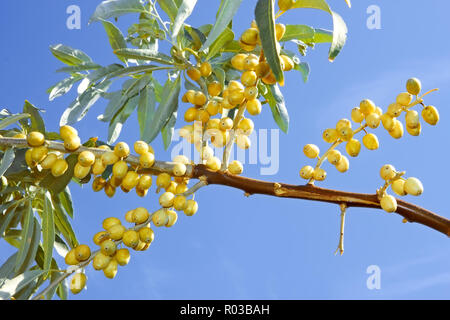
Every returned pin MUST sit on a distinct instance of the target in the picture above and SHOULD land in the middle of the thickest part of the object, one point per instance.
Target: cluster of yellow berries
(399, 185)
(368, 115)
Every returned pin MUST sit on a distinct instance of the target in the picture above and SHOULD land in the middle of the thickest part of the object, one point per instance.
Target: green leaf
(322, 36)
(80, 67)
(265, 19)
(12, 119)
(168, 105)
(63, 87)
(169, 7)
(144, 54)
(63, 290)
(115, 37)
(78, 109)
(276, 102)
(299, 32)
(104, 72)
(63, 224)
(168, 130)
(228, 9)
(11, 287)
(48, 231)
(37, 123)
(5, 219)
(119, 119)
(133, 70)
(66, 201)
(58, 184)
(183, 13)
(70, 56)
(116, 8)
(220, 75)
(339, 27)
(146, 109)
(7, 160)
(7, 269)
(222, 40)
(303, 67)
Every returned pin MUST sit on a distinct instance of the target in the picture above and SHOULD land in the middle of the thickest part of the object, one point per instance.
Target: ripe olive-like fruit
(82, 252)
(353, 147)
(146, 235)
(109, 222)
(413, 86)
(108, 158)
(225, 123)
(145, 182)
(412, 119)
(49, 161)
(199, 98)
(285, 5)
(280, 29)
(238, 61)
(100, 236)
(180, 203)
(414, 131)
(122, 256)
(367, 106)
(86, 158)
(172, 218)
(387, 172)
(251, 62)
(190, 114)
(166, 199)
(108, 247)
(370, 141)
(116, 231)
(246, 126)
(246, 47)
(343, 123)
(71, 258)
(319, 174)
(191, 208)
(111, 269)
(334, 156)
(163, 180)
(388, 203)
(330, 135)
(67, 132)
(59, 167)
(80, 172)
(346, 133)
(141, 147)
(235, 167)
(343, 164)
(130, 238)
(262, 69)
(147, 159)
(214, 88)
(404, 98)
(38, 154)
(101, 261)
(306, 172)
(311, 151)
(213, 163)
(77, 283)
(110, 190)
(140, 215)
(131, 180)
(205, 69)
(243, 142)
(120, 169)
(288, 63)
(72, 143)
(394, 110)
(413, 186)
(373, 120)
(430, 115)
(398, 186)
(98, 167)
(179, 169)
(397, 130)
(122, 150)
(249, 78)
(357, 115)
(35, 139)
(213, 107)
(194, 73)
(387, 121)
(250, 36)
(160, 218)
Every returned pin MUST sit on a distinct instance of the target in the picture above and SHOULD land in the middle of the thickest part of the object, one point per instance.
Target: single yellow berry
(108, 247)
(199, 98)
(213, 163)
(110, 190)
(373, 120)
(72, 143)
(194, 73)
(343, 123)
(306, 172)
(287, 63)
(243, 142)
(38, 154)
(398, 186)
(346, 133)
(166, 199)
(86, 158)
(109, 222)
(101, 261)
(388, 203)
(111, 269)
(131, 180)
(334, 156)
(213, 107)
(67, 132)
(160, 218)
(353, 147)
(413, 186)
(412, 119)
(120, 169)
(147, 159)
(35, 139)
(285, 5)
(100, 236)
(82, 252)
(397, 130)
(357, 115)
(238, 61)
(80, 172)
(370, 141)
(280, 29)
(367, 106)
(343, 164)
(172, 218)
(404, 98)
(214, 88)
(163, 180)
(191, 208)
(140, 147)
(430, 115)
(77, 283)
(122, 256)
(250, 36)
(109, 158)
(116, 231)
(71, 258)
(205, 69)
(59, 167)
(414, 131)
(145, 182)
(130, 238)
(394, 110)
(246, 126)
(179, 203)
(122, 150)
(235, 167)
(311, 151)
(413, 86)
(387, 172)
(319, 174)
(249, 78)
(330, 135)
(140, 215)
(49, 160)
(98, 167)
(387, 121)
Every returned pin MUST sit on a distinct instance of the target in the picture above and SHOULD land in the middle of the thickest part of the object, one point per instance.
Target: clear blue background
(263, 247)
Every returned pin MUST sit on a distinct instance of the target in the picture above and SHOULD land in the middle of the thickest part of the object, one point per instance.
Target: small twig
(340, 247)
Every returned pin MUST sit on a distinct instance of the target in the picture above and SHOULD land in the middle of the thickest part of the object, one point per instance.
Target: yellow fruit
(166, 199)
(243, 142)
(413, 86)
(207, 153)
(394, 110)
(245, 126)
(190, 96)
(373, 120)
(387, 121)
(343, 123)
(236, 97)
(205, 69)
(145, 182)
(86, 158)
(306, 172)
(160, 218)
(38, 154)
(28, 158)
(319, 174)
(288, 64)
(67, 132)
(397, 130)
(179, 169)
(235, 167)
(147, 159)
(251, 92)
(367, 106)
(387, 172)
(214, 88)
(246, 47)
(199, 98)
(346, 133)
(251, 62)
(110, 190)
(414, 131)
(172, 187)
(108, 247)
(130, 238)
(262, 69)
(49, 160)
(191, 208)
(141, 192)
(146, 235)
(285, 5)
(357, 115)
(413, 186)
(225, 123)
(388, 203)
(190, 114)
(141, 147)
(330, 135)
(280, 29)
(370, 141)
(59, 167)
(194, 73)
(250, 36)
(77, 283)
(140, 215)
(115, 182)
(101, 261)
(82, 252)
(116, 231)
(412, 119)
(172, 218)
(213, 107)
(35, 139)
(163, 180)
(254, 107)
(334, 156)
(398, 186)
(131, 180)
(120, 169)
(100, 236)
(122, 150)
(353, 147)
(80, 172)
(213, 163)
(404, 98)
(343, 164)
(72, 143)
(122, 256)
(238, 61)
(98, 167)
(249, 78)
(71, 258)
(311, 151)
(430, 115)
(179, 203)
(111, 269)
(109, 158)
(109, 222)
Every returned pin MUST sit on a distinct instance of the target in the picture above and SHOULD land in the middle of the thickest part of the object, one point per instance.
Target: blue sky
(263, 247)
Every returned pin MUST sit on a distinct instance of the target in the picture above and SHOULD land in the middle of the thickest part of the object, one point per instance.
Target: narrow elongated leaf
(7, 160)
(7, 269)
(168, 130)
(12, 119)
(339, 26)
(60, 246)
(66, 200)
(168, 105)
(63, 87)
(169, 7)
(222, 40)
(63, 290)
(228, 9)
(48, 231)
(132, 70)
(69, 56)
(303, 67)
(103, 72)
(265, 19)
(80, 67)
(144, 54)
(63, 224)
(116, 8)
(116, 124)
(82, 104)
(6, 218)
(299, 32)
(11, 287)
(37, 123)
(115, 37)
(26, 237)
(183, 13)
(322, 36)
(276, 102)
(146, 109)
